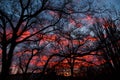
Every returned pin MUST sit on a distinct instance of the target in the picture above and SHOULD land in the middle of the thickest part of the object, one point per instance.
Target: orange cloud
(72, 22)
(44, 58)
(42, 63)
(24, 35)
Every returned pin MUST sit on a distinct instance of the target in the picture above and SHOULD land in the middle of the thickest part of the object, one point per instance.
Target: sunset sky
(74, 35)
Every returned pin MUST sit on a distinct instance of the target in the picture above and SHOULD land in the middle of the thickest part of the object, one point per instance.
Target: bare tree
(25, 21)
(26, 57)
(25, 16)
(108, 35)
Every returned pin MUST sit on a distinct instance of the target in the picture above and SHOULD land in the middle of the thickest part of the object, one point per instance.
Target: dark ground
(55, 77)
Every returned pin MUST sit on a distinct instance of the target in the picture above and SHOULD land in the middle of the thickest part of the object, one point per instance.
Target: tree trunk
(4, 72)
(72, 67)
(4, 69)
(6, 62)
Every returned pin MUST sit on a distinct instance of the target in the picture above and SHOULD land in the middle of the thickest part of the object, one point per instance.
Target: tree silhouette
(108, 35)
(18, 25)
(24, 22)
